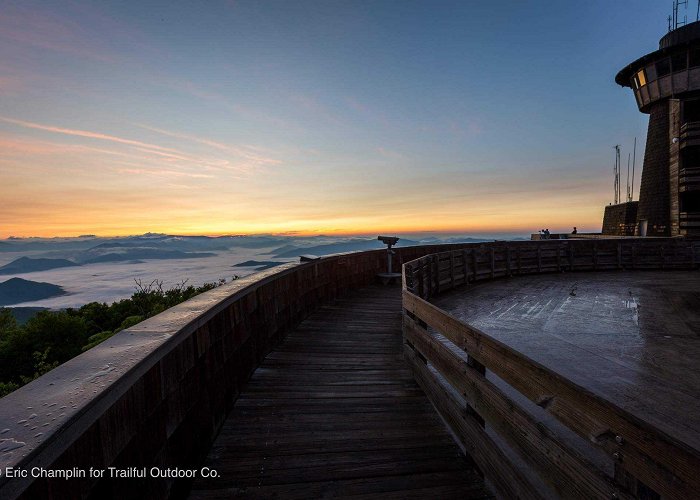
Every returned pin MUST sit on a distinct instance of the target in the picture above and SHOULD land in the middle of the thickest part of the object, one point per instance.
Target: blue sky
(242, 116)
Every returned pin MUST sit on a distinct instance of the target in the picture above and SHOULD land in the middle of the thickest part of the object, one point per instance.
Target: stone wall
(620, 219)
(654, 199)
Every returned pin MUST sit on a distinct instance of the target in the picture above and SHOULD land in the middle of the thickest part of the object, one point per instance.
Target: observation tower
(666, 86)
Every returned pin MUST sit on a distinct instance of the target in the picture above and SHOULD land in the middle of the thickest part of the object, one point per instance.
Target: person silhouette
(575, 231)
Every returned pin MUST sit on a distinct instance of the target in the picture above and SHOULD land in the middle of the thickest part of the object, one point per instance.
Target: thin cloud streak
(214, 144)
(163, 173)
(84, 133)
(168, 154)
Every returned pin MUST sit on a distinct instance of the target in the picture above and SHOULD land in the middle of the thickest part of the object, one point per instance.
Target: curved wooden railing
(450, 360)
(156, 394)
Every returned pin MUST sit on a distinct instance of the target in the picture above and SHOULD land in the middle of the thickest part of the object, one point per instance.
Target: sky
(325, 117)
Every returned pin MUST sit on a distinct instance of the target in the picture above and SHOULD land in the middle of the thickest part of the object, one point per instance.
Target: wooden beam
(564, 469)
(665, 464)
(506, 479)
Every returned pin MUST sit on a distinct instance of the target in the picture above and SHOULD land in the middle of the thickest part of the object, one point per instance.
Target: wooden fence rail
(647, 463)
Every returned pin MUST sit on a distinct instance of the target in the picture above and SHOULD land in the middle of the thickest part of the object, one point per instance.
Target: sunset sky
(315, 117)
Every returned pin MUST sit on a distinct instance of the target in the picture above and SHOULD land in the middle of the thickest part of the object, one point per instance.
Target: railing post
(508, 272)
(662, 256)
(421, 279)
(559, 258)
(493, 263)
(436, 263)
(571, 257)
(475, 263)
(482, 370)
(619, 255)
(595, 255)
(466, 265)
(452, 269)
(409, 278)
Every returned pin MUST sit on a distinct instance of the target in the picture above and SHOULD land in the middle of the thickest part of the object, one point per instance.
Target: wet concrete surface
(632, 337)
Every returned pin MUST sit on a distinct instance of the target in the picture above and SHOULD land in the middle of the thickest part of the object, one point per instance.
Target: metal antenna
(697, 13)
(634, 160)
(629, 157)
(676, 22)
(617, 174)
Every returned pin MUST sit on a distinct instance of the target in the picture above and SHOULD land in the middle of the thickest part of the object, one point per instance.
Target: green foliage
(53, 337)
(7, 387)
(98, 338)
(41, 365)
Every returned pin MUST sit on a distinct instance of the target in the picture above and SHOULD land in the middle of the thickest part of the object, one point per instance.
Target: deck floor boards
(335, 412)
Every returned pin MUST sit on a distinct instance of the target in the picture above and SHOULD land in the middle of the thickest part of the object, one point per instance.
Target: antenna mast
(674, 19)
(617, 174)
(629, 157)
(634, 159)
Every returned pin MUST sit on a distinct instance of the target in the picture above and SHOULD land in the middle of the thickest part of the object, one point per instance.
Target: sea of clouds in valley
(205, 260)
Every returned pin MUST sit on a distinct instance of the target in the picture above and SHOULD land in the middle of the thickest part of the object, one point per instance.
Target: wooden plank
(384, 485)
(668, 466)
(336, 404)
(564, 469)
(509, 481)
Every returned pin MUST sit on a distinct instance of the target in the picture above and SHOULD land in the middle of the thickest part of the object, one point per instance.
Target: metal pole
(634, 160)
(629, 156)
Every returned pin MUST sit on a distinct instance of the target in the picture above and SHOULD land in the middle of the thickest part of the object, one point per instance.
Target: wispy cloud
(40, 29)
(390, 154)
(318, 109)
(84, 133)
(220, 157)
(243, 151)
(368, 112)
(163, 173)
(248, 112)
(76, 29)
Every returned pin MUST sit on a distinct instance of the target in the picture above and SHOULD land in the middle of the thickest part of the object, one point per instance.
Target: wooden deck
(335, 412)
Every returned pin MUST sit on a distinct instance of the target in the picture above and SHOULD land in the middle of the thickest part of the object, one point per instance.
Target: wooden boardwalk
(334, 412)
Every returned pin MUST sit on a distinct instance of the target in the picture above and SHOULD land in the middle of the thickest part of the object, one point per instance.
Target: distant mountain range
(260, 265)
(17, 290)
(353, 245)
(30, 265)
(108, 254)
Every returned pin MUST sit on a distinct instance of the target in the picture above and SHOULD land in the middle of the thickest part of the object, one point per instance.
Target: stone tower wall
(654, 192)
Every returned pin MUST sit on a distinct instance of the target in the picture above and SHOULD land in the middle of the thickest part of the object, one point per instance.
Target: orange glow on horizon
(71, 181)
(530, 224)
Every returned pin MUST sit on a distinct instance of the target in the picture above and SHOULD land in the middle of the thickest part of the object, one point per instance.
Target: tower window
(663, 67)
(691, 111)
(690, 202)
(694, 58)
(679, 62)
(640, 78)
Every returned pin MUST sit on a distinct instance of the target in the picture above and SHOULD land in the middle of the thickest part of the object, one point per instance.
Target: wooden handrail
(644, 457)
